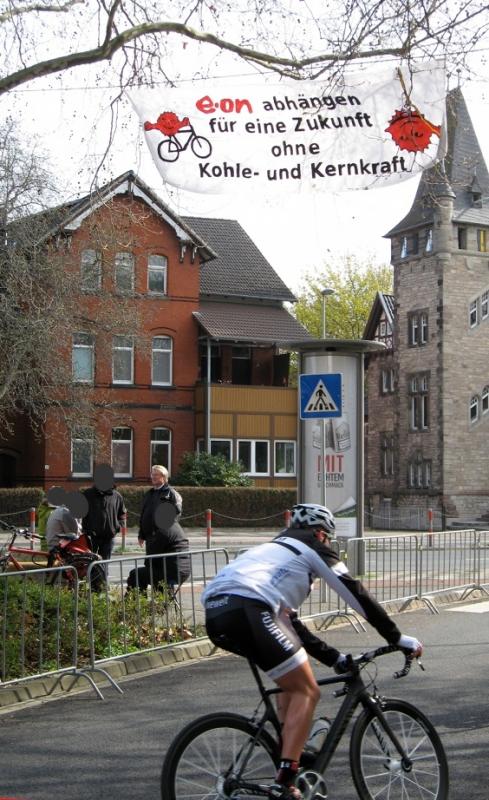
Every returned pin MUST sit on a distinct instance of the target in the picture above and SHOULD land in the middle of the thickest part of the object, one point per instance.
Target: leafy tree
(144, 40)
(205, 469)
(355, 285)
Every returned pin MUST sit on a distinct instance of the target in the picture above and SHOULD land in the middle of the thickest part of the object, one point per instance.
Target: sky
(70, 120)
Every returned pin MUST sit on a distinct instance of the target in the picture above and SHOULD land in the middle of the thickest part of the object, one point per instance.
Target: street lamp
(325, 293)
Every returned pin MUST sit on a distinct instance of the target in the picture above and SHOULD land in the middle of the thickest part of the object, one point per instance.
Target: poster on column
(338, 456)
(367, 131)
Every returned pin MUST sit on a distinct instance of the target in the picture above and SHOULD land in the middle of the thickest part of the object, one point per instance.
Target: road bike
(395, 752)
(170, 148)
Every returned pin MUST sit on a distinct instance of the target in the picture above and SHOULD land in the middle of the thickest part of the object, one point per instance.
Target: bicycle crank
(312, 785)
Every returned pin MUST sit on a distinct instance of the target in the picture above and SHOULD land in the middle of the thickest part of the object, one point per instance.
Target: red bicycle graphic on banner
(179, 135)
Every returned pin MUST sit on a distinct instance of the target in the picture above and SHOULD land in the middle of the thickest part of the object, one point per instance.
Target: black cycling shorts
(251, 629)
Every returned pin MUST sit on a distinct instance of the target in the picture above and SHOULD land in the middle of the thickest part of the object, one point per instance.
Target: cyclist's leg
(297, 703)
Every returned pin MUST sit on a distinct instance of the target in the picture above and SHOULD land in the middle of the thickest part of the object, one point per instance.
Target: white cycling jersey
(281, 573)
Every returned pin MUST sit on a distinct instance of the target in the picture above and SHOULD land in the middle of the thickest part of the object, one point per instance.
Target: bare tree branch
(358, 30)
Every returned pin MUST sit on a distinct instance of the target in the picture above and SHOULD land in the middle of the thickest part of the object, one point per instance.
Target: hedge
(232, 507)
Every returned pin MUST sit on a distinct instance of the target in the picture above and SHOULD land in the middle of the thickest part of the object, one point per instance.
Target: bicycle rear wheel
(206, 755)
(376, 766)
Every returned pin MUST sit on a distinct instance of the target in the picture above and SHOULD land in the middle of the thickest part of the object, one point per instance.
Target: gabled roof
(243, 322)
(69, 216)
(383, 304)
(463, 172)
(240, 269)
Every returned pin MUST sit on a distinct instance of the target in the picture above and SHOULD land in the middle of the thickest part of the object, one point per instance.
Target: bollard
(32, 525)
(123, 532)
(208, 522)
(430, 527)
(287, 516)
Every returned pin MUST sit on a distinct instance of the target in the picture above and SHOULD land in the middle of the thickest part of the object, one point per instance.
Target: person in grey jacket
(61, 520)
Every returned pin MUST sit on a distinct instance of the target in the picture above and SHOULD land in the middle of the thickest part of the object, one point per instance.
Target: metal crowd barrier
(48, 629)
(39, 631)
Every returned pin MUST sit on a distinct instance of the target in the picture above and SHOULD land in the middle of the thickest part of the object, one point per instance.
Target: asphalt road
(81, 748)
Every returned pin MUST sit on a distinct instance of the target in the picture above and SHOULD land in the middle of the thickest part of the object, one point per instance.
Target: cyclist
(250, 610)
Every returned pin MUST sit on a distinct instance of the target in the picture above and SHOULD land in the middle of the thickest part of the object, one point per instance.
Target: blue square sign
(321, 395)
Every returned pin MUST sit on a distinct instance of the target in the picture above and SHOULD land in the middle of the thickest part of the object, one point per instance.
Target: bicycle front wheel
(377, 768)
(209, 757)
(201, 147)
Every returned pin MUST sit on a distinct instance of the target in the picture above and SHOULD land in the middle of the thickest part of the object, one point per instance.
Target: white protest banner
(372, 130)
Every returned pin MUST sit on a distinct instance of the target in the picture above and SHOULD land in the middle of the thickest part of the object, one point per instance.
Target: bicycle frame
(12, 551)
(356, 694)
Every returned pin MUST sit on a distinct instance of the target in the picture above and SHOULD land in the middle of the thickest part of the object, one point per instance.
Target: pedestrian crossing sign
(320, 396)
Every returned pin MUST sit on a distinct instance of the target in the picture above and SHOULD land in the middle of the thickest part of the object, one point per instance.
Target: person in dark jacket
(161, 532)
(106, 510)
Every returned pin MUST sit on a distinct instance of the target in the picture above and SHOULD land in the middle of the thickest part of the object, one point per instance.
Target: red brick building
(147, 384)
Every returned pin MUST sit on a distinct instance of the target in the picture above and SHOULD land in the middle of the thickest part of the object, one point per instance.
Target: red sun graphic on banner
(411, 131)
(167, 123)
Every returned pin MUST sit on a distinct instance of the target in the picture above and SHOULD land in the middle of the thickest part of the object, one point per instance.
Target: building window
(122, 452)
(82, 453)
(485, 400)
(219, 447)
(387, 381)
(419, 472)
(473, 314)
(161, 447)
(285, 458)
(482, 241)
(419, 402)
(428, 247)
(254, 455)
(124, 272)
(417, 328)
(83, 357)
(161, 370)
(122, 359)
(409, 245)
(91, 270)
(241, 365)
(157, 269)
(484, 305)
(474, 408)
(462, 238)
(387, 455)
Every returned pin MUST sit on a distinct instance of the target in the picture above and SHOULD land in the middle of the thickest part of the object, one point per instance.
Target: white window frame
(95, 262)
(485, 400)
(168, 350)
(473, 313)
(428, 248)
(129, 441)
(201, 447)
(423, 325)
(474, 409)
(485, 304)
(294, 448)
(414, 330)
(253, 443)
(119, 347)
(89, 346)
(158, 264)
(167, 442)
(82, 439)
(404, 247)
(124, 260)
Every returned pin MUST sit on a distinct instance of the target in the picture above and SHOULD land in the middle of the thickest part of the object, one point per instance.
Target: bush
(205, 469)
(16, 504)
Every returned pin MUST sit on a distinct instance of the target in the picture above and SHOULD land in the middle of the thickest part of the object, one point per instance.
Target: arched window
(485, 399)
(122, 440)
(474, 408)
(161, 447)
(161, 361)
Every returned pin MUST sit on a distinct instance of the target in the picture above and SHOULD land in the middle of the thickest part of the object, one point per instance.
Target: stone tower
(440, 355)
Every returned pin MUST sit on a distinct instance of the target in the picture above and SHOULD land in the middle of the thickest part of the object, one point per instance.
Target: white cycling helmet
(312, 515)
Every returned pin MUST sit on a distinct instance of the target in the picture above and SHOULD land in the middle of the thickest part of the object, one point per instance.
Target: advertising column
(331, 410)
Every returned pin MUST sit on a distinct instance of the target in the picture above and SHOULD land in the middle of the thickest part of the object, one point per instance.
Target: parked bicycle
(395, 752)
(73, 550)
